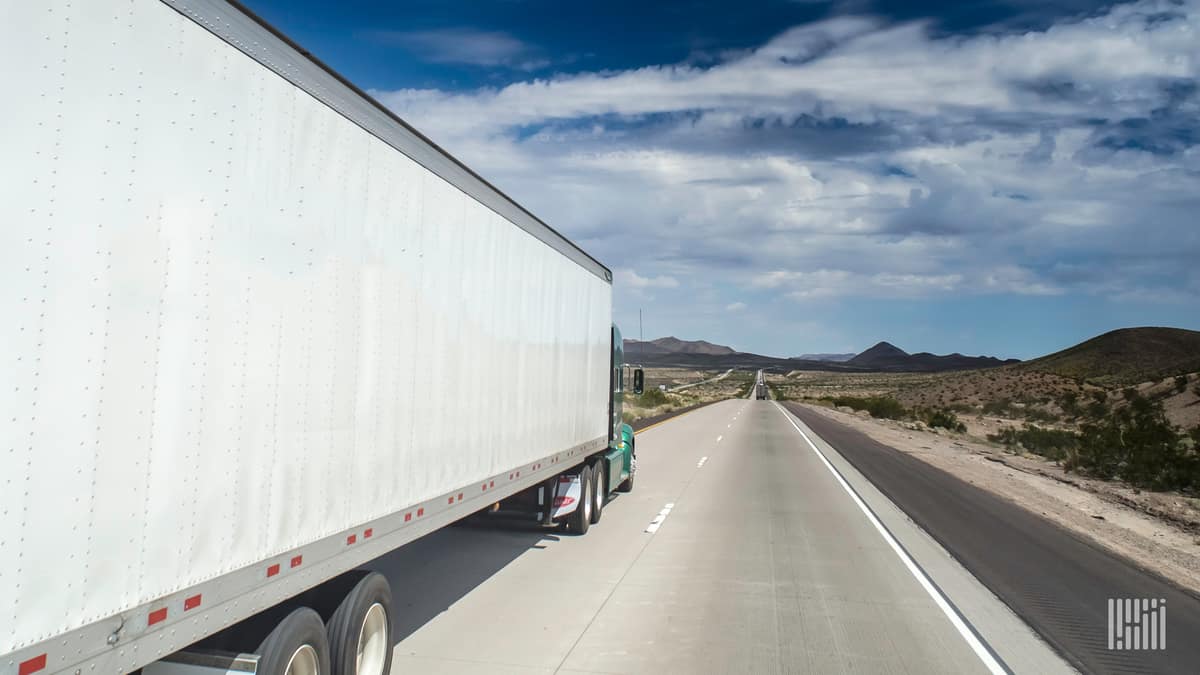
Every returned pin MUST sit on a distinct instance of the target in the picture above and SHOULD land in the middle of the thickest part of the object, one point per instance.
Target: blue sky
(1007, 178)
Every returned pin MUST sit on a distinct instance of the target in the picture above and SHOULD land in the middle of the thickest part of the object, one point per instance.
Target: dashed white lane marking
(658, 520)
(701, 462)
(729, 426)
(940, 600)
(719, 438)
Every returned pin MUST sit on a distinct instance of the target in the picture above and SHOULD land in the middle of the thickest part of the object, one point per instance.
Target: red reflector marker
(368, 533)
(420, 512)
(563, 501)
(460, 496)
(351, 539)
(32, 665)
(297, 561)
(407, 517)
(492, 484)
(157, 616)
(273, 570)
(192, 602)
(450, 499)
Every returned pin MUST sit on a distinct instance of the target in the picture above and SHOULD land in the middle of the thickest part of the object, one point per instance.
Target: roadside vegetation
(654, 401)
(1133, 441)
(886, 407)
(1146, 434)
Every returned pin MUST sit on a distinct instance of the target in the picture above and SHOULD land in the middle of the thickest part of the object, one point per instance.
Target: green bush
(999, 408)
(652, 398)
(1138, 444)
(884, 407)
(941, 418)
(1069, 402)
(1097, 409)
(1053, 444)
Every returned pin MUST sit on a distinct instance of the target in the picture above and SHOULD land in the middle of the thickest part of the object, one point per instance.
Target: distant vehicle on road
(239, 376)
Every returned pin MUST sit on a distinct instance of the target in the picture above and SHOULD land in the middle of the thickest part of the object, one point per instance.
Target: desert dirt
(1158, 531)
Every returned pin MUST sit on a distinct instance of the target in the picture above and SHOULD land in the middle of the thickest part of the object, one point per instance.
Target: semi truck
(258, 332)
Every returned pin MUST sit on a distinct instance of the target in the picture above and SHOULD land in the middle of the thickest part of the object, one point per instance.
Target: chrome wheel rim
(303, 662)
(587, 499)
(372, 642)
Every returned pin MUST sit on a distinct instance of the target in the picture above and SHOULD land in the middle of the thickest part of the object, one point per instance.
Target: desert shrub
(652, 398)
(1049, 443)
(1138, 444)
(1097, 409)
(1069, 402)
(945, 419)
(884, 407)
(1181, 384)
(1039, 415)
(1006, 435)
(1054, 444)
(1000, 407)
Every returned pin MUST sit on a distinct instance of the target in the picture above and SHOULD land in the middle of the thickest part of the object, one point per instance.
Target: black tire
(580, 519)
(627, 484)
(599, 491)
(298, 630)
(345, 628)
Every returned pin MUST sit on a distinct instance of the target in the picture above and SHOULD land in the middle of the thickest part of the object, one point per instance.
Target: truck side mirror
(639, 381)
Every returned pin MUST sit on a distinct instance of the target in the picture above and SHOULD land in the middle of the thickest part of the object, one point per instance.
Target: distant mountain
(835, 358)
(673, 345)
(886, 356)
(1125, 356)
(882, 355)
(674, 352)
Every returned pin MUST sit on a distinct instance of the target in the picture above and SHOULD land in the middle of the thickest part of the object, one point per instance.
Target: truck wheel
(627, 484)
(581, 518)
(297, 646)
(360, 630)
(599, 492)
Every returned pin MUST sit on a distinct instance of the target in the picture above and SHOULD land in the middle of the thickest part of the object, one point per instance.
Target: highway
(743, 549)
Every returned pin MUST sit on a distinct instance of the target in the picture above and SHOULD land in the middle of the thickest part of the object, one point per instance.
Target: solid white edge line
(989, 661)
(719, 438)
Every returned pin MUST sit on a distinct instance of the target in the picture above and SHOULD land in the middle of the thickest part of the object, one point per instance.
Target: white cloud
(735, 307)
(851, 157)
(630, 278)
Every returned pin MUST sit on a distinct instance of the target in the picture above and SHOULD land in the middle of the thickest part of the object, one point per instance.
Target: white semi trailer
(257, 332)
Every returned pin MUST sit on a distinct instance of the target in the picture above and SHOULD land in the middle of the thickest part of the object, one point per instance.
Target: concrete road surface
(739, 551)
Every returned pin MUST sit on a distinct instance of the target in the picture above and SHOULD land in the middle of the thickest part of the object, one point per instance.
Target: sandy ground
(1159, 531)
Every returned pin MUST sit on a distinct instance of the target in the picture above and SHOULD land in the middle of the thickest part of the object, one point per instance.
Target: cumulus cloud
(735, 307)
(855, 157)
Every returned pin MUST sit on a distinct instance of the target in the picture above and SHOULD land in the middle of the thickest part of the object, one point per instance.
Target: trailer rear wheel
(581, 518)
(360, 630)
(599, 491)
(297, 646)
